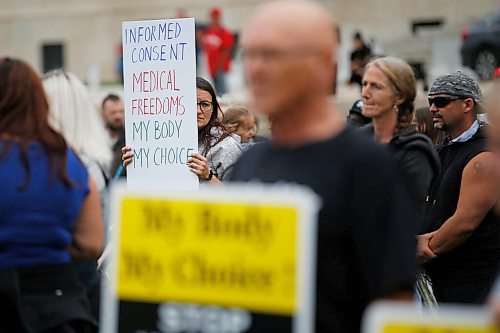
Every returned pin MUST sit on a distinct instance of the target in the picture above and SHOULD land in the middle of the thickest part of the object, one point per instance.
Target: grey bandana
(457, 84)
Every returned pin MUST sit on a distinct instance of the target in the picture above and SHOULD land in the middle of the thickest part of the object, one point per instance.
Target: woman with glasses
(388, 93)
(218, 150)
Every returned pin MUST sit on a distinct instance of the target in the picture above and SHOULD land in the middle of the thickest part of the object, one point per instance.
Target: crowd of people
(407, 194)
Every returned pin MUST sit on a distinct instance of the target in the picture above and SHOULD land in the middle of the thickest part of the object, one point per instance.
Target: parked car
(481, 46)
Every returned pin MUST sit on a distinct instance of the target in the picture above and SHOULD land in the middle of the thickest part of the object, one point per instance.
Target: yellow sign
(397, 317)
(209, 253)
(434, 328)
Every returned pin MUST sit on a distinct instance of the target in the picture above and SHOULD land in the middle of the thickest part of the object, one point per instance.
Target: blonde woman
(388, 94)
(72, 113)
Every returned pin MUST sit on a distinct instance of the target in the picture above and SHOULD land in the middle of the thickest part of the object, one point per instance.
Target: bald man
(365, 249)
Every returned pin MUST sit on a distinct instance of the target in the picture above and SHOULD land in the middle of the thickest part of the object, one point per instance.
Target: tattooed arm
(478, 194)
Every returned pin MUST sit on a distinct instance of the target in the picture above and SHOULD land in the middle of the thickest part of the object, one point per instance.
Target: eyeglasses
(274, 55)
(442, 101)
(205, 106)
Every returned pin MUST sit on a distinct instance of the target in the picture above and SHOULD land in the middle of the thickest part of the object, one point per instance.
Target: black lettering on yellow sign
(250, 226)
(163, 220)
(194, 270)
(142, 267)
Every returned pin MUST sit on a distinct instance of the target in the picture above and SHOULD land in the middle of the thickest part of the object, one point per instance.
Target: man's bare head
(289, 49)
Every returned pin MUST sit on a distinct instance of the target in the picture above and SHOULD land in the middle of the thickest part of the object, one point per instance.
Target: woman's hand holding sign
(127, 155)
(197, 164)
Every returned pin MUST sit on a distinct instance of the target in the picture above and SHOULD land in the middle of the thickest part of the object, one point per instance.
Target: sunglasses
(442, 101)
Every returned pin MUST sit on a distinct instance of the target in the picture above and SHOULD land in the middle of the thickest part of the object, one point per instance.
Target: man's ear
(469, 105)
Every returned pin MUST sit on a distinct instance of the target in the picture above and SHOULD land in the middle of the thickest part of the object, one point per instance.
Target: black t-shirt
(366, 232)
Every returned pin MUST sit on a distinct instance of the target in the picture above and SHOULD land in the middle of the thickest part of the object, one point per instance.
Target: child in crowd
(240, 121)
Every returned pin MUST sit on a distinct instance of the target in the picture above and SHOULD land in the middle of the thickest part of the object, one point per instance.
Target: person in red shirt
(496, 74)
(217, 45)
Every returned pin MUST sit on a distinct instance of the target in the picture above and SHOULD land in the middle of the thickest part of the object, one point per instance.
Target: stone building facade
(84, 35)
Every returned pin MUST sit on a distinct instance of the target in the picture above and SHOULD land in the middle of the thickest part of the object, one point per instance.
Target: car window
(493, 20)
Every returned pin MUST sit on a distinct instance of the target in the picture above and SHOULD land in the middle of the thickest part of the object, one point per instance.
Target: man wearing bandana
(460, 244)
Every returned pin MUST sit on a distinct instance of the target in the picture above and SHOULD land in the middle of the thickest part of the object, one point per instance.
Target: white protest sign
(159, 68)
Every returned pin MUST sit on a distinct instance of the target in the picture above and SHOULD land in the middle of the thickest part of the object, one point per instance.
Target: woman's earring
(396, 108)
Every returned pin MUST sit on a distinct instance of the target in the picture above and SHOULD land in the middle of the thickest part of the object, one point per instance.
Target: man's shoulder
(366, 130)
(256, 150)
(466, 150)
(483, 164)
(359, 145)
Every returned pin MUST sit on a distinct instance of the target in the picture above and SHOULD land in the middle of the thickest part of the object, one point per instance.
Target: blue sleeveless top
(36, 223)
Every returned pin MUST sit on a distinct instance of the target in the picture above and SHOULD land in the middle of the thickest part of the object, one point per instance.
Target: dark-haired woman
(50, 213)
(388, 94)
(218, 149)
(422, 118)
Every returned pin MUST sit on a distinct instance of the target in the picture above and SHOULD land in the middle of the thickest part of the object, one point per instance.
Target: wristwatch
(210, 176)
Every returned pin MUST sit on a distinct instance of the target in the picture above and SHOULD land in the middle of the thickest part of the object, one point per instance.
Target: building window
(53, 56)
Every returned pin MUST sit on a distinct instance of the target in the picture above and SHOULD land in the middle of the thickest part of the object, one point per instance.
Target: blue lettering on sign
(141, 158)
(158, 53)
(140, 130)
(165, 38)
(156, 32)
(174, 54)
